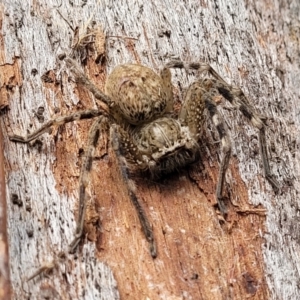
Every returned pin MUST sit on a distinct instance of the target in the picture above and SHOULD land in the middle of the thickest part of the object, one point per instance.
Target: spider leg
(98, 126)
(87, 164)
(236, 96)
(117, 139)
(166, 77)
(192, 111)
(198, 98)
(201, 67)
(80, 115)
(84, 80)
(225, 142)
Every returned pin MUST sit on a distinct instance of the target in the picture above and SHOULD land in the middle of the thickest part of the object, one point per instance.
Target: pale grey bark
(253, 44)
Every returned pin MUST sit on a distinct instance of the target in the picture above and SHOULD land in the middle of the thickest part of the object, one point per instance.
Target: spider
(145, 132)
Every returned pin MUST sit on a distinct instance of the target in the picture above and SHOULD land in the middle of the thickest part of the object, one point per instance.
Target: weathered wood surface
(5, 288)
(254, 44)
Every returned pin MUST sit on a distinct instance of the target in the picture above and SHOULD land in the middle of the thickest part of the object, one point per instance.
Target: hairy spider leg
(87, 163)
(84, 80)
(99, 126)
(237, 98)
(80, 115)
(198, 98)
(225, 142)
(118, 140)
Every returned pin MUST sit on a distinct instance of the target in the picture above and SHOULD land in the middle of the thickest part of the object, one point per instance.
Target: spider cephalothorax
(146, 132)
(140, 95)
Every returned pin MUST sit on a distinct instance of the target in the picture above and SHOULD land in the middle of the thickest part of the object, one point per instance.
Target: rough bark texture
(5, 288)
(253, 44)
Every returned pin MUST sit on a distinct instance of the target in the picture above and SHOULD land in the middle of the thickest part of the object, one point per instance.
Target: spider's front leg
(86, 167)
(80, 115)
(197, 99)
(100, 125)
(225, 142)
(84, 80)
(127, 152)
(236, 97)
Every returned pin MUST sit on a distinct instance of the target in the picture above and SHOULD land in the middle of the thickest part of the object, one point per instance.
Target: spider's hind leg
(118, 139)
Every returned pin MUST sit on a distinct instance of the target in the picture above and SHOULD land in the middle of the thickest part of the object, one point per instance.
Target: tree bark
(254, 253)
